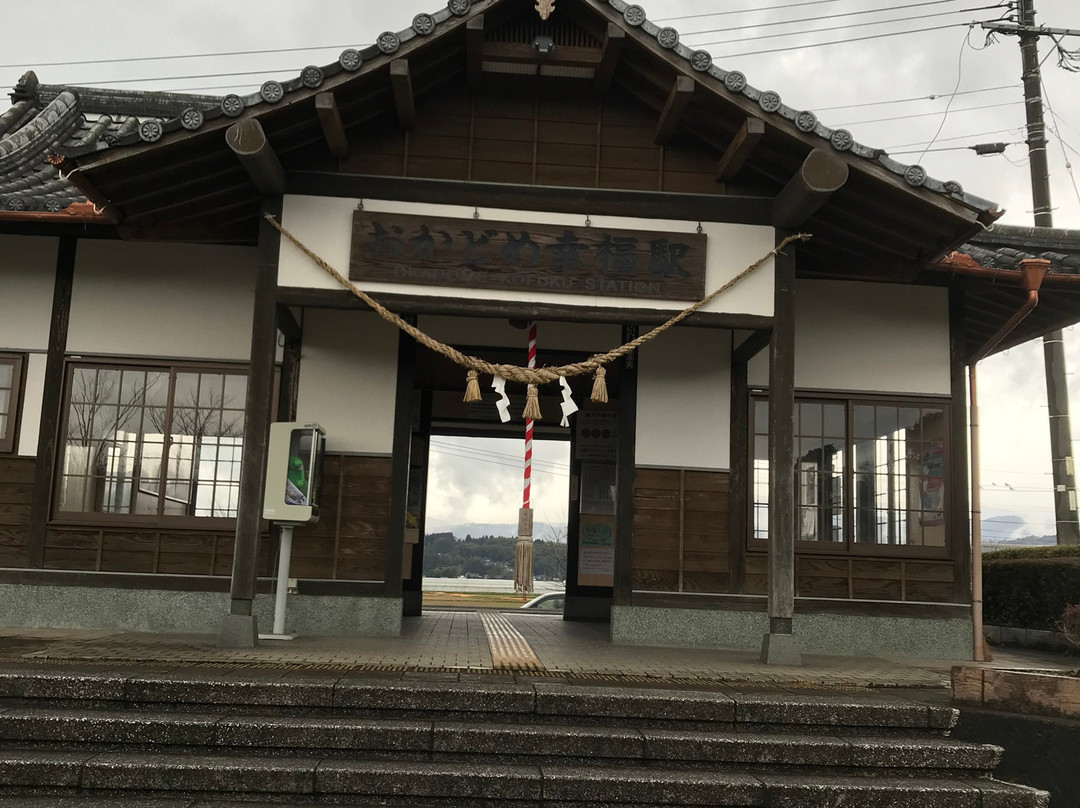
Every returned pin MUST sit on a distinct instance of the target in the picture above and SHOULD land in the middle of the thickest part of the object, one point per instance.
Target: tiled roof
(1005, 246)
(157, 115)
(46, 120)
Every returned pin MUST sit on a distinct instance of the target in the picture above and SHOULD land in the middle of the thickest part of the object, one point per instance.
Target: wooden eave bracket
(401, 83)
(821, 174)
(751, 346)
(248, 142)
(682, 91)
(740, 149)
(474, 49)
(614, 40)
(333, 129)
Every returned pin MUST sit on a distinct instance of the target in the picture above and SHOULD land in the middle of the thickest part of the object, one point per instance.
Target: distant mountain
(548, 531)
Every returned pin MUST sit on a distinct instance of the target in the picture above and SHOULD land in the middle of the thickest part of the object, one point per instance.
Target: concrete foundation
(47, 606)
(842, 634)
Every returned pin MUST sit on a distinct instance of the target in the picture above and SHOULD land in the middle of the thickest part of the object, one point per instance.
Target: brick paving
(454, 644)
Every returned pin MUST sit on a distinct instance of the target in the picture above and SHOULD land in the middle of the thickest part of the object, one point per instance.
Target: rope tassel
(472, 387)
(599, 388)
(532, 405)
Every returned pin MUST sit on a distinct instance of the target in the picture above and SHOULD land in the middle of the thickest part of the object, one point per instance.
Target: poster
(596, 550)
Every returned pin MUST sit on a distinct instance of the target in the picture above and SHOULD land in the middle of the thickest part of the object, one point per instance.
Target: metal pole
(1057, 393)
(284, 557)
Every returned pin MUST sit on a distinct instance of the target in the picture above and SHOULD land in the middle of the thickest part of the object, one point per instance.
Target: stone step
(569, 703)
(111, 730)
(329, 781)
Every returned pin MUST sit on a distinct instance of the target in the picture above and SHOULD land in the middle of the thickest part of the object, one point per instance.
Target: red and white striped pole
(523, 553)
(526, 499)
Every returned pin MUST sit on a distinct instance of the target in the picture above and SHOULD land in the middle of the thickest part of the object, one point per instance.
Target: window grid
(866, 473)
(152, 442)
(11, 368)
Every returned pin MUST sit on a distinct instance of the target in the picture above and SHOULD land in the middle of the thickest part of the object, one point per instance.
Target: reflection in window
(153, 441)
(891, 455)
(10, 378)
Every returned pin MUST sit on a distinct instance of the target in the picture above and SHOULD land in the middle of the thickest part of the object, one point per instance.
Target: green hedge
(1030, 587)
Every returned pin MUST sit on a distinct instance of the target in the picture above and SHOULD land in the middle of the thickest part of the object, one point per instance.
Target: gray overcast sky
(858, 85)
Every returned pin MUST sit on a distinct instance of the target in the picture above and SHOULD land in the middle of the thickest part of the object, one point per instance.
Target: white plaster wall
(33, 389)
(348, 379)
(163, 300)
(324, 224)
(868, 337)
(499, 333)
(27, 274)
(684, 400)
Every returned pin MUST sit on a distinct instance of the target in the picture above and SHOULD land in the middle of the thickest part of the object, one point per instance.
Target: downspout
(1033, 270)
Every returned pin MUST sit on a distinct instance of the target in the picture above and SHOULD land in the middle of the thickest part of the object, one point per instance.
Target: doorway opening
(475, 486)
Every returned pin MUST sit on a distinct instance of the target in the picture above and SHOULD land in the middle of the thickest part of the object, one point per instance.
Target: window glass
(152, 441)
(897, 473)
(10, 379)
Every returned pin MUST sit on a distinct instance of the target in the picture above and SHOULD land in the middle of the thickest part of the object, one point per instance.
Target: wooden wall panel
(680, 539)
(16, 490)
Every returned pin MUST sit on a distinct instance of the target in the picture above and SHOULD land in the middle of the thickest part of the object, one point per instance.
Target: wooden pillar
(624, 482)
(419, 463)
(239, 628)
(399, 474)
(52, 402)
(779, 646)
(958, 504)
(739, 479)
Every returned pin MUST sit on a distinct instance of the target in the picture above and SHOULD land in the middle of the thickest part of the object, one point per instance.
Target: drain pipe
(1033, 270)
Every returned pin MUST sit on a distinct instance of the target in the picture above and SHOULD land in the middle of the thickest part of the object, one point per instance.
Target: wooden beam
(614, 40)
(751, 346)
(739, 476)
(740, 149)
(474, 49)
(399, 475)
(288, 326)
(626, 466)
(401, 82)
(642, 204)
(781, 456)
(958, 504)
(333, 129)
(248, 142)
(52, 402)
(245, 570)
(677, 101)
(821, 174)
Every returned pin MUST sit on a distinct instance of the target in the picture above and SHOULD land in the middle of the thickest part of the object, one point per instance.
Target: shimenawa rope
(530, 376)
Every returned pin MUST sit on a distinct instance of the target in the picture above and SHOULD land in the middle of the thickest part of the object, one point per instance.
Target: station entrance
(466, 465)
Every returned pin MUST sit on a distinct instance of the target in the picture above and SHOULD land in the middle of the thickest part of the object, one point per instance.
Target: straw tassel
(472, 387)
(532, 405)
(599, 388)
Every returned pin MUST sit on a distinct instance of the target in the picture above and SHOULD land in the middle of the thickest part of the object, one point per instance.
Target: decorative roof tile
(175, 112)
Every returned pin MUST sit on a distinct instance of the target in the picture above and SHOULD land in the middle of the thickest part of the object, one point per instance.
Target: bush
(1053, 551)
(1030, 591)
(1069, 624)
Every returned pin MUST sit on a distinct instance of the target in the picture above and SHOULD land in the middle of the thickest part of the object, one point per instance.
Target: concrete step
(573, 704)
(143, 730)
(323, 782)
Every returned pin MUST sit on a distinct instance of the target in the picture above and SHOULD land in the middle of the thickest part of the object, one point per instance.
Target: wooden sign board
(525, 256)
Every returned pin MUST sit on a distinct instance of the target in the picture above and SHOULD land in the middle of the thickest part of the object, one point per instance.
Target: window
(11, 371)
(867, 473)
(151, 442)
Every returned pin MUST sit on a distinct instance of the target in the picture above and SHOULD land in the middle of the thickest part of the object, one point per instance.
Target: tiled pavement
(454, 644)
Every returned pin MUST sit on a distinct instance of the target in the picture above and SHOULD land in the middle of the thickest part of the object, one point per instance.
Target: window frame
(154, 521)
(849, 547)
(9, 439)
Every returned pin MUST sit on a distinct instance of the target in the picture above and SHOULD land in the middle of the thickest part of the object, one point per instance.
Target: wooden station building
(480, 170)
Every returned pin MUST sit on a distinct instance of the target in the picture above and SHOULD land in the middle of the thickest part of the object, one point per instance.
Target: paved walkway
(467, 644)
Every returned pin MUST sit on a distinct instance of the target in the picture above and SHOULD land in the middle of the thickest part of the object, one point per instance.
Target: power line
(127, 59)
(743, 11)
(958, 137)
(846, 27)
(931, 97)
(930, 114)
(848, 14)
(843, 41)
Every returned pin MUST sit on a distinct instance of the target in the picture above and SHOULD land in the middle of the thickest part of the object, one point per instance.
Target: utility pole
(1057, 394)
